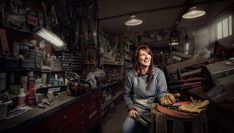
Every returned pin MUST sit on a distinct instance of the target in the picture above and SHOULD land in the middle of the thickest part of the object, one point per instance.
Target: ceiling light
(194, 13)
(49, 36)
(133, 21)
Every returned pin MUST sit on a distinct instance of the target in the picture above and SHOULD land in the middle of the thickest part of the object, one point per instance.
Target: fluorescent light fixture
(49, 36)
(193, 13)
(133, 21)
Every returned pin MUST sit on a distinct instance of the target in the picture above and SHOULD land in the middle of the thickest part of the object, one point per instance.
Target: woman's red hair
(136, 65)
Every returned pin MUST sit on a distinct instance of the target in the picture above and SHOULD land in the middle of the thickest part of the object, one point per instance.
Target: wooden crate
(162, 123)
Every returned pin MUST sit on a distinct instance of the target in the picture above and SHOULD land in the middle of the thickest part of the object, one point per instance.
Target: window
(230, 25)
(224, 27)
(219, 30)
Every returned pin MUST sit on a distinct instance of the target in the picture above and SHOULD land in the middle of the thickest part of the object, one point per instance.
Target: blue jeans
(132, 126)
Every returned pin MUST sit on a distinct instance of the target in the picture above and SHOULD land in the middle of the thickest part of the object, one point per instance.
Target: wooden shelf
(22, 30)
(103, 106)
(114, 64)
(106, 85)
(21, 69)
(51, 71)
(32, 69)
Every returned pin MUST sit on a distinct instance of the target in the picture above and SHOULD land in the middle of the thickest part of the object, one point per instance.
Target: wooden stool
(162, 123)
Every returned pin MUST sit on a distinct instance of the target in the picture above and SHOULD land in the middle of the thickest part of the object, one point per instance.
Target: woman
(144, 85)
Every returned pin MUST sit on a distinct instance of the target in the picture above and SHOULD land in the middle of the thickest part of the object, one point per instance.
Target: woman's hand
(133, 113)
(167, 100)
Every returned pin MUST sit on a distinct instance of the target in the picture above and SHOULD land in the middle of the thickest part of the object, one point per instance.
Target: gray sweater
(135, 94)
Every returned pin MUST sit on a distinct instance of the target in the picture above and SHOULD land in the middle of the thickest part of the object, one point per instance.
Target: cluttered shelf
(20, 69)
(52, 71)
(89, 63)
(111, 62)
(109, 84)
(31, 69)
(114, 64)
(104, 105)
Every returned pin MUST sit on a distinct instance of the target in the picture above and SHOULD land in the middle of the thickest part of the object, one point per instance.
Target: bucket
(3, 109)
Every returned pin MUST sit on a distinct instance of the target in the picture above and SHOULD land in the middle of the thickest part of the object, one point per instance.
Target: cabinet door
(77, 125)
(54, 122)
(50, 124)
(75, 117)
(60, 121)
(94, 106)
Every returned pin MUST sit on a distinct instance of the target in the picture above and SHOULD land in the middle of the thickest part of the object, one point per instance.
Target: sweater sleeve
(128, 91)
(161, 85)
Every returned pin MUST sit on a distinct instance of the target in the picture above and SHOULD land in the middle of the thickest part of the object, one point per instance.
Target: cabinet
(82, 116)
(62, 120)
(74, 116)
(94, 111)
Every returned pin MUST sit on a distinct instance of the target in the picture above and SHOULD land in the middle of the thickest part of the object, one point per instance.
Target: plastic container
(22, 97)
(3, 109)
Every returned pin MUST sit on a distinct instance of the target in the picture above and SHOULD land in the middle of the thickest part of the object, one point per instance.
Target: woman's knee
(129, 125)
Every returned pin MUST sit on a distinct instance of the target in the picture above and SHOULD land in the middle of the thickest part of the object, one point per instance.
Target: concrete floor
(115, 122)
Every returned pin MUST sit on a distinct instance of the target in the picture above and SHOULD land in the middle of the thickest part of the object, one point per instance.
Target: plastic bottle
(56, 80)
(22, 97)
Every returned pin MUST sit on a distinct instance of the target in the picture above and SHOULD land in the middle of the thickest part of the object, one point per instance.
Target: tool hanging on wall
(4, 43)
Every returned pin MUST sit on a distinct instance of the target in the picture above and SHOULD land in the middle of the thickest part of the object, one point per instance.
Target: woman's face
(144, 58)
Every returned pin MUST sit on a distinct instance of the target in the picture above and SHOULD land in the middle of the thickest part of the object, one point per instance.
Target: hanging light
(133, 21)
(193, 13)
(49, 36)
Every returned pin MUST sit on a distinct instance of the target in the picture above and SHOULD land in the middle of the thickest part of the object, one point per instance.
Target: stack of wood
(190, 83)
(185, 69)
